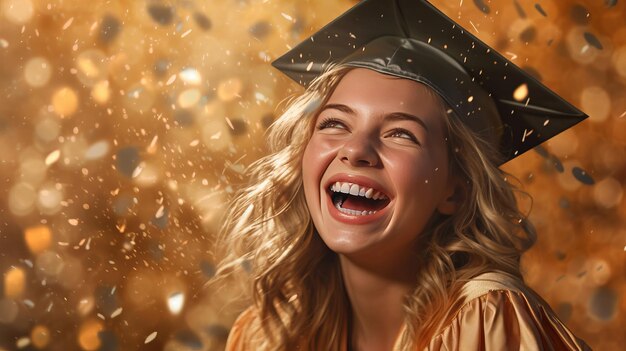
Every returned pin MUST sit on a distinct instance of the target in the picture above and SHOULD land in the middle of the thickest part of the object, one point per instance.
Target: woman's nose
(359, 150)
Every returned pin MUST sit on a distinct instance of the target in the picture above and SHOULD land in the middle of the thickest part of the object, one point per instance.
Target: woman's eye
(331, 123)
(403, 133)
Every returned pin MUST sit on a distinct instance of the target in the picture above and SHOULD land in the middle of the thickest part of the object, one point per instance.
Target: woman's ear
(454, 196)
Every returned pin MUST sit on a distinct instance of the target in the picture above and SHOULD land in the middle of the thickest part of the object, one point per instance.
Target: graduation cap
(412, 39)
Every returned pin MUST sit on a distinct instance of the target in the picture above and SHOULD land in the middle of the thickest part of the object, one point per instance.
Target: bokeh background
(125, 127)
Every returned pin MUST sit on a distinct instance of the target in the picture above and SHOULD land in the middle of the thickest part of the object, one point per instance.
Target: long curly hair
(296, 283)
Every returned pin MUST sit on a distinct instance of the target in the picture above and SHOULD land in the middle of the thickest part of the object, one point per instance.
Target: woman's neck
(377, 301)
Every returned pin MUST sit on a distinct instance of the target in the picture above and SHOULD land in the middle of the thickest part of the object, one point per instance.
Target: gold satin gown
(499, 313)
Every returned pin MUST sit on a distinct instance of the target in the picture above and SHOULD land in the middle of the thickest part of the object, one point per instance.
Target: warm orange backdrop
(125, 126)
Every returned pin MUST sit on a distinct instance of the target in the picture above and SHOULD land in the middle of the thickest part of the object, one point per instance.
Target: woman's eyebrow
(340, 107)
(401, 116)
(394, 116)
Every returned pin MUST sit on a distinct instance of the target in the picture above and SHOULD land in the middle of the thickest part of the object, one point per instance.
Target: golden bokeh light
(229, 89)
(40, 336)
(37, 72)
(596, 102)
(17, 11)
(65, 101)
(22, 197)
(14, 282)
(101, 92)
(88, 338)
(38, 238)
(608, 193)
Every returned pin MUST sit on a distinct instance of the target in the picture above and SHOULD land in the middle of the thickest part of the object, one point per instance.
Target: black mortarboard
(412, 39)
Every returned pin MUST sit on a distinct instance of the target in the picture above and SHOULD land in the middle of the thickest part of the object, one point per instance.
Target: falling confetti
(582, 176)
(482, 6)
(519, 9)
(541, 10)
(127, 131)
(593, 40)
(150, 337)
(175, 302)
(53, 157)
(161, 14)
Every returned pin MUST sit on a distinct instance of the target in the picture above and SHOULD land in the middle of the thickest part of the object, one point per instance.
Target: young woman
(380, 220)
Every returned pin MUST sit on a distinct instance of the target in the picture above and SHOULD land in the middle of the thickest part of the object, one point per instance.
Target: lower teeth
(353, 212)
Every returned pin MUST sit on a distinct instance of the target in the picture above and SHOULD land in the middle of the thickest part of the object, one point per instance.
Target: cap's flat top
(527, 112)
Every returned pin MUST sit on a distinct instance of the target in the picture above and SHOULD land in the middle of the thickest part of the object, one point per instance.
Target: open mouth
(356, 200)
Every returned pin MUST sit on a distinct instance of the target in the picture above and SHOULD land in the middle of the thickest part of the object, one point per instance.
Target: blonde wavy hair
(297, 289)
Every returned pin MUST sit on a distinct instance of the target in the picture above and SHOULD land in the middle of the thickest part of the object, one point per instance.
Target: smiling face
(376, 167)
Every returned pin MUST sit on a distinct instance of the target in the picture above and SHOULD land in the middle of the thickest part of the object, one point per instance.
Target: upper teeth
(357, 190)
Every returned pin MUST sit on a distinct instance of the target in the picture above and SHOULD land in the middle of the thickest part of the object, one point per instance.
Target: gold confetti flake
(175, 302)
(521, 92)
(150, 338)
(160, 212)
(116, 313)
(22, 342)
(68, 23)
(53, 157)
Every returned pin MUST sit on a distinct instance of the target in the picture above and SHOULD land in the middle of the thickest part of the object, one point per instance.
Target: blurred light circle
(141, 287)
(74, 151)
(147, 174)
(564, 144)
(619, 60)
(48, 129)
(40, 336)
(38, 238)
(97, 150)
(49, 263)
(49, 199)
(189, 98)
(580, 50)
(138, 98)
(37, 72)
(8, 311)
(602, 303)
(608, 193)
(65, 101)
(71, 276)
(596, 102)
(33, 170)
(600, 271)
(88, 334)
(18, 11)
(14, 282)
(215, 134)
(566, 179)
(175, 302)
(519, 27)
(229, 89)
(85, 306)
(22, 197)
(92, 66)
(100, 92)
(190, 76)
